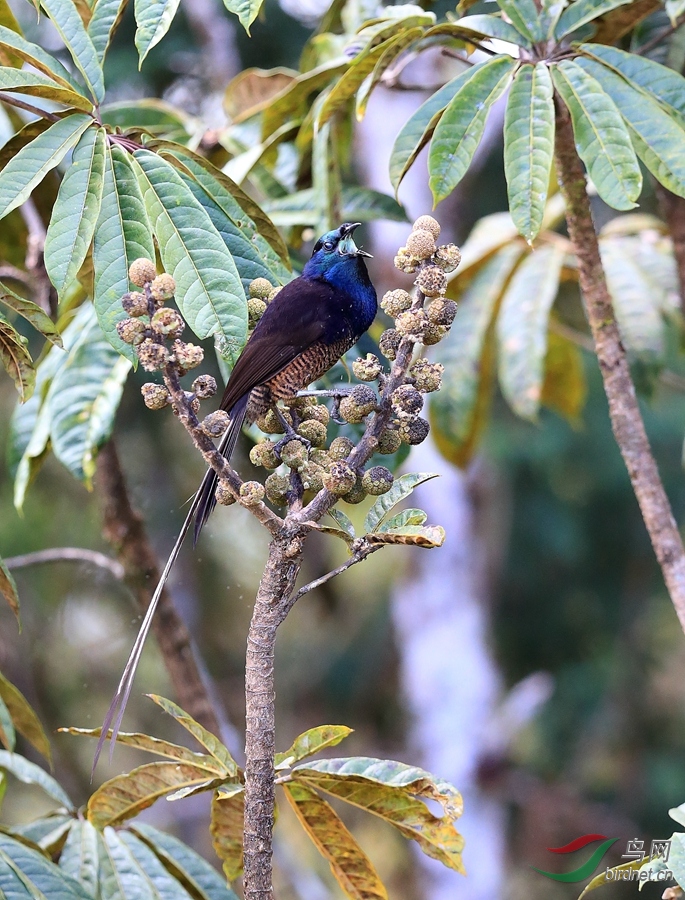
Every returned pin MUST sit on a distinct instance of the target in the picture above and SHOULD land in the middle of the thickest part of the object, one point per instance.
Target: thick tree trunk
(624, 410)
(275, 587)
(124, 529)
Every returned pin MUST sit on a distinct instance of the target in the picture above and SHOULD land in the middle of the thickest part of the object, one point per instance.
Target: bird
(308, 326)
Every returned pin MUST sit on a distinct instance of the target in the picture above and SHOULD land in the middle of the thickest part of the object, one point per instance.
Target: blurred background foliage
(572, 592)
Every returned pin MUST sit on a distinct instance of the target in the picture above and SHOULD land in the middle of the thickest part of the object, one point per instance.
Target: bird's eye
(328, 245)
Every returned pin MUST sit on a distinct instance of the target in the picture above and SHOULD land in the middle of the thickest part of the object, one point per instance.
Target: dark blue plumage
(304, 331)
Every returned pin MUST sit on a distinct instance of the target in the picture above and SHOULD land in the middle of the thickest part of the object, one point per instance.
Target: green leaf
(30, 773)
(245, 254)
(522, 328)
(523, 15)
(667, 86)
(199, 878)
(311, 742)
(239, 207)
(122, 234)
(154, 116)
(30, 311)
(125, 796)
(26, 874)
(388, 790)
(529, 147)
(23, 81)
(8, 589)
(33, 162)
(226, 829)
(342, 521)
(76, 210)
(24, 718)
(49, 832)
(80, 856)
(402, 487)
(635, 299)
(152, 745)
(68, 23)
(103, 23)
(427, 536)
(419, 128)
(30, 424)
(484, 26)
(602, 878)
(16, 359)
(292, 102)
(209, 291)
(38, 58)
(466, 359)
(84, 398)
(8, 735)
(401, 519)
(211, 743)
(602, 140)
(161, 882)
(349, 864)
(246, 10)
(583, 11)
(359, 204)
(460, 129)
(120, 873)
(393, 48)
(153, 18)
(346, 87)
(657, 137)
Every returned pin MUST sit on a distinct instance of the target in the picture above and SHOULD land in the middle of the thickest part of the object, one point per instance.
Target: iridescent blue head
(337, 260)
(336, 250)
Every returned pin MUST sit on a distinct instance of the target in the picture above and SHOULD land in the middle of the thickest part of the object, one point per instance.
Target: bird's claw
(291, 435)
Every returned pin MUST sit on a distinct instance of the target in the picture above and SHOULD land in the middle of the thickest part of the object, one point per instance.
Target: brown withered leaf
(226, 828)
(612, 26)
(427, 536)
(351, 868)
(8, 589)
(311, 742)
(126, 795)
(252, 90)
(24, 718)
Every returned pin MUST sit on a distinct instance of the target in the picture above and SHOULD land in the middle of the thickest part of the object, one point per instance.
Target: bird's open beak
(347, 246)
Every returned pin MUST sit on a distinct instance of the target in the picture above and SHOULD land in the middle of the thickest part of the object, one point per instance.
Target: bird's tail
(200, 509)
(206, 495)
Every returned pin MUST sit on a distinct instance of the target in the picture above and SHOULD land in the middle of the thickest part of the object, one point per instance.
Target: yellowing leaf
(564, 388)
(124, 796)
(153, 745)
(350, 866)
(8, 589)
(226, 828)
(311, 742)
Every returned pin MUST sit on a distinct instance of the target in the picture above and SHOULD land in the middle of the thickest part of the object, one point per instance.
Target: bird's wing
(302, 314)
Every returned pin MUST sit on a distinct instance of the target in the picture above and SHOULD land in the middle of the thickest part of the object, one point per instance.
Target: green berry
(340, 448)
(251, 493)
(340, 479)
(315, 432)
(377, 480)
(277, 487)
(260, 288)
(224, 495)
(155, 396)
(216, 423)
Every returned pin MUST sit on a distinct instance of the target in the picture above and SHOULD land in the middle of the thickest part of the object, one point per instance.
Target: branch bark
(124, 529)
(624, 410)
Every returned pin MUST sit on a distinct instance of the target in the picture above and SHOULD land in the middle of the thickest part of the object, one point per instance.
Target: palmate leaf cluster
(515, 306)
(100, 852)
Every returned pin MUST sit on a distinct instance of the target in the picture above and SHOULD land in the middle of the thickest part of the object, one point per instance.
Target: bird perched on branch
(310, 324)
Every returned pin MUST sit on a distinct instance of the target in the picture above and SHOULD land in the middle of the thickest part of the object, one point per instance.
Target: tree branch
(124, 529)
(66, 554)
(624, 411)
(673, 213)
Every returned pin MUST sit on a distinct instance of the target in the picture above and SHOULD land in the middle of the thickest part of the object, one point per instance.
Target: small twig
(659, 37)
(15, 274)
(36, 110)
(66, 554)
(211, 455)
(357, 557)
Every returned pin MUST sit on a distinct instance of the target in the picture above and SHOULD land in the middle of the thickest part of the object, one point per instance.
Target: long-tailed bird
(304, 331)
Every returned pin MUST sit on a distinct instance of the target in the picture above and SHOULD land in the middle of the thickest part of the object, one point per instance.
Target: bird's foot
(291, 435)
